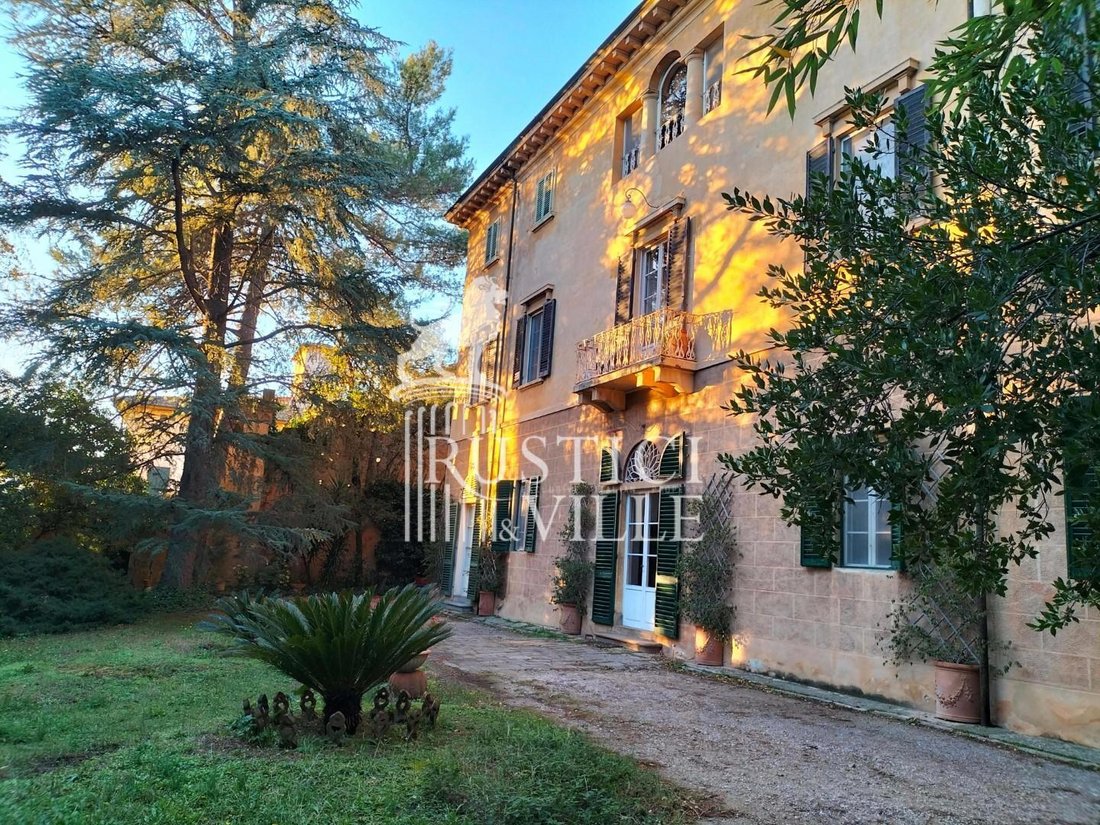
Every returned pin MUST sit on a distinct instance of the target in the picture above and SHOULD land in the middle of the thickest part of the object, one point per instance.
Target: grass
(130, 725)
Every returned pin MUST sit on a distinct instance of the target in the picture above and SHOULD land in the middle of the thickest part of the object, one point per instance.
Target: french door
(465, 546)
(640, 561)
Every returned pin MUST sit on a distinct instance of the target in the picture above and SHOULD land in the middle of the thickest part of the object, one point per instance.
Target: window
(868, 538)
(491, 242)
(515, 525)
(673, 99)
(652, 278)
(874, 148)
(712, 76)
(482, 368)
(631, 129)
(641, 540)
(157, 480)
(544, 197)
(534, 342)
(532, 345)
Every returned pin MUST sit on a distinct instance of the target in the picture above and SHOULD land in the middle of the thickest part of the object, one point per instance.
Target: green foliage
(223, 184)
(706, 567)
(806, 35)
(941, 333)
(573, 570)
(55, 586)
(67, 470)
(334, 643)
(148, 733)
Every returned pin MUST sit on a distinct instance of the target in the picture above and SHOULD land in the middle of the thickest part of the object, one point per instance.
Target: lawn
(130, 724)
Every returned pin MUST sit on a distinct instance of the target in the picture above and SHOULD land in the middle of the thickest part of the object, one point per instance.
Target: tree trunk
(349, 704)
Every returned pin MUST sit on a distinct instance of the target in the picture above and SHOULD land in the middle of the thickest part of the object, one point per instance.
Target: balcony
(656, 351)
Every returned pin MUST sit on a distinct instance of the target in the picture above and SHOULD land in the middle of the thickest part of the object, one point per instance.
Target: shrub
(572, 570)
(334, 643)
(55, 586)
(706, 570)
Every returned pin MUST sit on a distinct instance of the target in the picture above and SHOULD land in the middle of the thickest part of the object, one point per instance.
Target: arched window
(671, 103)
(643, 463)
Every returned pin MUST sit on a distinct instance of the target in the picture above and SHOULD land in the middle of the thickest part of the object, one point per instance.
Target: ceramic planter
(414, 663)
(486, 602)
(958, 693)
(570, 619)
(709, 650)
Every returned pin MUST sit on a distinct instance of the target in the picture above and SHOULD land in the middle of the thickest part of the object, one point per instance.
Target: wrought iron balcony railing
(661, 335)
(630, 160)
(670, 130)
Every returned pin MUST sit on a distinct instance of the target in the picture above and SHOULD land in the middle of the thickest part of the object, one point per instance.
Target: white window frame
(492, 242)
(544, 197)
(869, 531)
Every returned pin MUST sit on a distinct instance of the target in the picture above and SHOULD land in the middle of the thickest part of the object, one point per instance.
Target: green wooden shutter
(531, 534)
(607, 465)
(473, 585)
(811, 545)
(672, 458)
(676, 280)
(607, 545)
(502, 542)
(667, 609)
(1082, 487)
(896, 560)
(913, 142)
(447, 569)
(517, 359)
(818, 166)
(546, 338)
(624, 291)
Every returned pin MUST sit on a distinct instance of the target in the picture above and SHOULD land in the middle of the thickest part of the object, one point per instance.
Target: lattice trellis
(947, 619)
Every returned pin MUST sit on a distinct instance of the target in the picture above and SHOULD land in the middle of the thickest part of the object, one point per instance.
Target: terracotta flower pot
(709, 650)
(958, 693)
(415, 684)
(414, 663)
(570, 619)
(486, 602)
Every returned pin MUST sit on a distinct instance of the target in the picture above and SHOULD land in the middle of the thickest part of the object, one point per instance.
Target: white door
(465, 552)
(640, 561)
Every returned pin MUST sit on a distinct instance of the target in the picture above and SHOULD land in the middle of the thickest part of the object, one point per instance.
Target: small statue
(379, 722)
(429, 709)
(288, 734)
(336, 727)
(402, 708)
(308, 704)
(412, 724)
(281, 705)
(382, 697)
(246, 709)
(260, 716)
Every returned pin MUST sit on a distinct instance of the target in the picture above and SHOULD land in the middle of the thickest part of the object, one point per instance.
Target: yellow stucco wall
(818, 625)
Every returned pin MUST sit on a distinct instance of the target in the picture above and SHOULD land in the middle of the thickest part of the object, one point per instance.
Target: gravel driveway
(767, 757)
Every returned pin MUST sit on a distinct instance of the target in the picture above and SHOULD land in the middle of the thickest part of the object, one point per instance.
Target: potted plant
(572, 569)
(490, 578)
(938, 622)
(705, 569)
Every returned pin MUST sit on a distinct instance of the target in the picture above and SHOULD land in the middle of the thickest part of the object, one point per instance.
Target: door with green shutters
(607, 543)
(667, 601)
(640, 559)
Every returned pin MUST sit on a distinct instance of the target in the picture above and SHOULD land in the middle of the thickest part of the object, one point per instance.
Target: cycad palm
(336, 644)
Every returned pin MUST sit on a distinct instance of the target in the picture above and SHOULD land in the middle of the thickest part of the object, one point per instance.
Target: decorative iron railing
(712, 96)
(671, 129)
(630, 160)
(666, 333)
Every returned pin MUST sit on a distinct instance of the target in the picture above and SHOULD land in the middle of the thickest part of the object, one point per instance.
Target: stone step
(630, 643)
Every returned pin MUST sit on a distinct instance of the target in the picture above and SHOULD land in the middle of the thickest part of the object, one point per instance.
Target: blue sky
(510, 56)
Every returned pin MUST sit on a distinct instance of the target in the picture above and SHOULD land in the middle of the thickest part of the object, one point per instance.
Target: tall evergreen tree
(223, 181)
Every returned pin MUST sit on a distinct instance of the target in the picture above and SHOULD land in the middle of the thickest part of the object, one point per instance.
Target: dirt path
(771, 758)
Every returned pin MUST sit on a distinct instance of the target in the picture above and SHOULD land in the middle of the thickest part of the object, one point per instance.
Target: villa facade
(607, 283)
